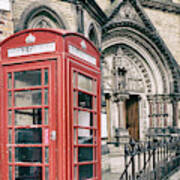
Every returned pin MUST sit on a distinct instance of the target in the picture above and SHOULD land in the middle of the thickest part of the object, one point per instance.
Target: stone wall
(168, 26)
(6, 25)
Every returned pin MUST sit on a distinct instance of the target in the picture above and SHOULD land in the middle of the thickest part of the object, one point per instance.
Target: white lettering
(35, 49)
(73, 50)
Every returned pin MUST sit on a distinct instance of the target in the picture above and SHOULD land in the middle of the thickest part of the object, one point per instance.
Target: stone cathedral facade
(140, 37)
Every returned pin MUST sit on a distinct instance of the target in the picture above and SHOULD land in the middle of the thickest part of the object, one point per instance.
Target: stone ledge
(160, 5)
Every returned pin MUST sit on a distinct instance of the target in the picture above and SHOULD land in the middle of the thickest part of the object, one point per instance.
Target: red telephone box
(50, 107)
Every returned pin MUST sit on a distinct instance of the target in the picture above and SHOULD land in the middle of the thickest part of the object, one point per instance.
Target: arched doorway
(148, 75)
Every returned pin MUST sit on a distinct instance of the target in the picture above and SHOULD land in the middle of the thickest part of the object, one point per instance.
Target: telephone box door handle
(53, 135)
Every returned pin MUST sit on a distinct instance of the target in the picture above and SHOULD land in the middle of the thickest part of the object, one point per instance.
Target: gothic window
(40, 16)
(93, 35)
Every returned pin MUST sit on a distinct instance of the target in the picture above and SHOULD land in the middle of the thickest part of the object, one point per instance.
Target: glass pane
(28, 173)
(46, 77)
(75, 119)
(10, 172)
(75, 98)
(46, 154)
(28, 117)
(10, 154)
(27, 78)
(95, 86)
(9, 81)
(28, 136)
(74, 79)
(28, 154)
(95, 120)
(85, 171)
(85, 136)
(75, 173)
(9, 99)
(85, 118)
(10, 136)
(84, 100)
(47, 173)
(85, 154)
(75, 155)
(46, 96)
(46, 117)
(27, 98)
(75, 135)
(95, 103)
(85, 83)
(9, 117)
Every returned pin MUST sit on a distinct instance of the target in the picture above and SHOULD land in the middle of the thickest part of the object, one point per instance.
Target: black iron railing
(150, 160)
(154, 159)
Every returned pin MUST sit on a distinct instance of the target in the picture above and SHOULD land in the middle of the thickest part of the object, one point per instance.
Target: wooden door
(132, 116)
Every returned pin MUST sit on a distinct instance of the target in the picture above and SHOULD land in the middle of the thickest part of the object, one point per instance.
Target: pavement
(116, 176)
(175, 176)
(110, 176)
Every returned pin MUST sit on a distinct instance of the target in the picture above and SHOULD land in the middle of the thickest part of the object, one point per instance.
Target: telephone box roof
(60, 32)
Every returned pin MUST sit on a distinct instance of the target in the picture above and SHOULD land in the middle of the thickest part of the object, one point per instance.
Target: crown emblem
(83, 44)
(30, 39)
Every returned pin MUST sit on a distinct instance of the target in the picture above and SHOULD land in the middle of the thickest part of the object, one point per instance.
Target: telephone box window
(28, 136)
(9, 99)
(33, 173)
(10, 172)
(84, 100)
(46, 173)
(85, 118)
(85, 171)
(9, 80)
(28, 98)
(9, 117)
(46, 121)
(85, 136)
(27, 79)
(10, 154)
(85, 154)
(28, 117)
(28, 154)
(85, 83)
(10, 136)
(46, 77)
(46, 96)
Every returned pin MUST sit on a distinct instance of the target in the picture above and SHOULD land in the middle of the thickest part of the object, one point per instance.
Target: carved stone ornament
(127, 12)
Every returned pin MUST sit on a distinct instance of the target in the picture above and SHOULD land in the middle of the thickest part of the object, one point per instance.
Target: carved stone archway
(147, 68)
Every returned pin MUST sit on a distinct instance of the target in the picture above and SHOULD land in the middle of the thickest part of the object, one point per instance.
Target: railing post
(125, 160)
(154, 158)
(144, 156)
(139, 157)
(132, 144)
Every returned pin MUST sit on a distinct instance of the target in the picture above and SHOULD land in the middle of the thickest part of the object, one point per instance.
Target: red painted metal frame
(62, 65)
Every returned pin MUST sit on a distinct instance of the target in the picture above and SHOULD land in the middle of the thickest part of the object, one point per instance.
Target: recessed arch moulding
(42, 15)
(148, 75)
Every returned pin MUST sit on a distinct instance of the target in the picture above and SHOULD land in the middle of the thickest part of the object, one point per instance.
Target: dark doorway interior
(132, 116)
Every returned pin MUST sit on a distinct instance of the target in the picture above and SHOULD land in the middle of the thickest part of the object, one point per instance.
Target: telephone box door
(29, 124)
(85, 125)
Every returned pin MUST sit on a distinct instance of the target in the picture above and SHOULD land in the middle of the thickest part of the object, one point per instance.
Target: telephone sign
(50, 107)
